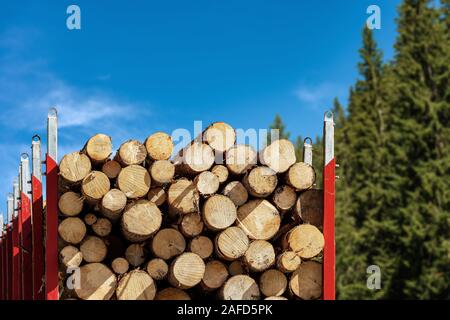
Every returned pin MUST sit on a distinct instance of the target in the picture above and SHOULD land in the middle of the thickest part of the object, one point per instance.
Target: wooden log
(94, 186)
(157, 269)
(135, 254)
(183, 197)
(305, 240)
(162, 172)
(288, 261)
(159, 146)
(194, 159)
(172, 294)
(235, 268)
(191, 225)
(206, 183)
(120, 265)
(131, 152)
(74, 167)
(218, 212)
(102, 227)
(72, 230)
(202, 246)
(216, 273)
(90, 219)
(240, 158)
(220, 136)
(140, 220)
(93, 249)
(221, 173)
(70, 257)
(168, 243)
(70, 204)
(236, 191)
(98, 148)
(134, 181)
(272, 283)
(259, 256)
(186, 271)
(113, 203)
(260, 182)
(259, 219)
(309, 207)
(284, 198)
(240, 287)
(279, 155)
(112, 169)
(157, 195)
(97, 282)
(306, 281)
(136, 285)
(301, 176)
(276, 298)
(231, 244)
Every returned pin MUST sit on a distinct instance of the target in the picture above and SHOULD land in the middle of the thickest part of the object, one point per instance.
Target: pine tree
(277, 124)
(299, 149)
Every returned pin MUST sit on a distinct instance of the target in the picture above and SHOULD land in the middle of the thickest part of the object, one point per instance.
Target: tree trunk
(141, 220)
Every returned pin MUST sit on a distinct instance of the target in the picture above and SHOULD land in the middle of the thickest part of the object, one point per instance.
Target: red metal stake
(16, 246)
(10, 262)
(2, 259)
(10, 206)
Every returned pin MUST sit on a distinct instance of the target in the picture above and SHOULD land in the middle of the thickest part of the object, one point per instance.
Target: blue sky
(139, 66)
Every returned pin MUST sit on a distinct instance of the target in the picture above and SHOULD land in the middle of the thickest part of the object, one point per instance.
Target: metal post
(329, 259)
(15, 245)
(10, 206)
(37, 218)
(307, 151)
(51, 242)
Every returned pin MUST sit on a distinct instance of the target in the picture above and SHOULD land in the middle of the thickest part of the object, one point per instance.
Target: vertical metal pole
(10, 206)
(37, 218)
(329, 259)
(51, 241)
(15, 245)
(307, 151)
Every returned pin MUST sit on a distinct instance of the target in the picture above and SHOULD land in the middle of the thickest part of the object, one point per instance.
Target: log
(216, 273)
(231, 243)
(74, 167)
(260, 182)
(136, 285)
(305, 240)
(240, 287)
(236, 191)
(309, 207)
(194, 159)
(206, 183)
(221, 173)
(70, 257)
(202, 246)
(93, 249)
(183, 197)
(140, 220)
(157, 195)
(70, 204)
(157, 269)
(218, 212)
(135, 254)
(288, 261)
(94, 186)
(279, 155)
(162, 172)
(235, 268)
(284, 198)
(97, 282)
(134, 181)
(72, 230)
(131, 152)
(306, 281)
(98, 148)
(220, 136)
(240, 158)
(102, 227)
(120, 265)
(112, 169)
(159, 146)
(276, 298)
(191, 225)
(259, 219)
(259, 256)
(172, 294)
(301, 176)
(168, 243)
(90, 219)
(113, 203)
(186, 271)
(272, 283)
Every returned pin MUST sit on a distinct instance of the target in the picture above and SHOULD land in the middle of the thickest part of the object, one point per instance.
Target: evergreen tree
(278, 124)
(299, 149)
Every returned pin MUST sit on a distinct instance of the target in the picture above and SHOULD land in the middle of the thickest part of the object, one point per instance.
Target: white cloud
(320, 95)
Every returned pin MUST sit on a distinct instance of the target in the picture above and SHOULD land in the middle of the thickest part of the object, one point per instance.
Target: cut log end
(186, 271)
(74, 167)
(157, 269)
(93, 249)
(95, 185)
(207, 183)
(134, 181)
(301, 176)
(221, 173)
(70, 257)
(260, 182)
(159, 146)
(306, 281)
(279, 155)
(288, 261)
(202, 246)
(141, 220)
(131, 152)
(232, 243)
(168, 243)
(99, 147)
(259, 219)
(113, 203)
(220, 136)
(191, 225)
(284, 198)
(135, 254)
(136, 285)
(272, 283)
(240, 158)
(216, 273)
(102, 227)
(70, 204)
(97, 282)
(305, 240)
(219, 212)
(240, 287)
(112, 169)
(259, 256)
(157, 195)
(162, 172)
(72, 230)
(183, 197)
(172, 294)
(309, 207)
(120, 265)
(236, 191)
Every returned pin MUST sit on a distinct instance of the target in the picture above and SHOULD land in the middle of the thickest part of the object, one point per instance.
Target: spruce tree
(278, 124)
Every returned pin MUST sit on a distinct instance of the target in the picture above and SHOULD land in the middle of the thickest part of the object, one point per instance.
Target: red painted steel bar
(2, 259)
(16, 275)
(10, 262)
(10, 206)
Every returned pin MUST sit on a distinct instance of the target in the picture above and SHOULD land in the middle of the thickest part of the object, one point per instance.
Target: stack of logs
(217, 220)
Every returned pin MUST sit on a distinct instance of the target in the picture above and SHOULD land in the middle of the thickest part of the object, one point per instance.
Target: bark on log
(236, 191)
(136, 285)
(134, 181)
(240, 158)
(168, 243)
(259, 219)
(157, 268)
(272, 283)
(306, 281)
(279, 155)
(260, 182)
(72, 230)
(301, 176)
(240, 287)
(186, 271)
(93, 249)
(159, 146)
(70, 204)
(141, 220)
(97, 282)
(202, 246)
(113, 203)
(218, 212)
(232, 243)
(259, 256)
(74, 167)
(305, 240)
(162, 172)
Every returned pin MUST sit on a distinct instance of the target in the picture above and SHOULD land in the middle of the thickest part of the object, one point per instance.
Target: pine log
(112, 169)
(309, 207)
(162, 172)
(135, 254)
(221, 172)
(94, 186)
(98, 148)
(260, 182)
(216, 273)
(97, 282)
(70, 257)
(207, 183)
(231, 244)
(240, 287)
(276, 298)
(259, 219)
(220, 136)
(168, 243)
(288, 261)
(259, 256)
(157, 269)
(136, 285)
(240, 158)
(301, 176)
(134, 181)
(74, 167)
(236, 191)
(157, 195)
(140, 220)
(191, 225)
(186, 271)
(194, 159)
(120, 265)
(284, 198)
(90, 219)
(159, 146)
(113, 203)
(306, 281)
(272, 283)
(93, 249)
(183, 197)
(218, 212)
(72, 230)
(131, 152)
(202, 246)
(279, 155)
(70, 204)
(235, 268)
(102, 227)
(172, 294)
(305, 240)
